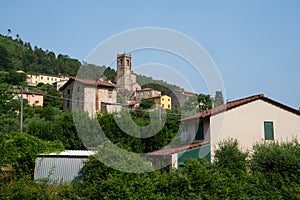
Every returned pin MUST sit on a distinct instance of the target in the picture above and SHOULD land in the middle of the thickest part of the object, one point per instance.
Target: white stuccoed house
(250, 120)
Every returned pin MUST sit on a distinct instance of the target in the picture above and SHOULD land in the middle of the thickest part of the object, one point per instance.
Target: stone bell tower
(123, 76)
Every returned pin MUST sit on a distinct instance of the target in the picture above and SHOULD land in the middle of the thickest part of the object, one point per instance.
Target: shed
(60, 167)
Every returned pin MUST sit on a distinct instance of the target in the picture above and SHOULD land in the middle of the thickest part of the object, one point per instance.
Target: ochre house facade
(163, 101)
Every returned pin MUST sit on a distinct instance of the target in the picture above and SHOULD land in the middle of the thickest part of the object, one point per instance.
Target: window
(168, 99)
(162, 99)
(128, 63)
(77, 101)
(109, 94)
(78, 88)
(47, 78)
(199, 131)
(169, 106)
(162, 105)
(69, 91)
(121, 61)
(41, 77)
(269, 130)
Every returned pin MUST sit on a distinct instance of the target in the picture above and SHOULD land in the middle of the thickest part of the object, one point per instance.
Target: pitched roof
(28, 92)
(146, 89)
(186, 93)
(172, 150)
(70, 153)
(88, 82)
(237, 103)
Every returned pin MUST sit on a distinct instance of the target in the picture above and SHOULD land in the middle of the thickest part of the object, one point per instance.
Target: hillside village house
(163, 101)
(33, 98)
(35, 79)
(89, 95)
(146, 93)
(251, 120)
(179, 97)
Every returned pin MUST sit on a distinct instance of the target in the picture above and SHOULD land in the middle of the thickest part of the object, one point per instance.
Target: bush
(228, 155)
(275, 158)
(19, 150)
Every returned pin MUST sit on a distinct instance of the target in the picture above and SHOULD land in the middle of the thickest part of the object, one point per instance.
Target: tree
(229, 156)
(15, 78)
(5, 62)
(218, 100)
(147, 103)
(8, 104)
(20, 150)
(8, 31)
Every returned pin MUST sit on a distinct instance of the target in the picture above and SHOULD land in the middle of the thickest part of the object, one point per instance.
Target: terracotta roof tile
(28, 92)
(88, 82)
(93, 82)
(172, 150)
(236, 103)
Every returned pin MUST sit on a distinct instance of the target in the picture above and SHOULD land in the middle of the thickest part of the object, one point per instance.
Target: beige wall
(246, 124)
(34, 99)
(43, 78)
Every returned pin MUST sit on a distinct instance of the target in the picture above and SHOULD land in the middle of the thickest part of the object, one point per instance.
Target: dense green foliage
(199, 179)
(195, 104)
(17, 55)
(19, 151)
(148, 82)
(147, 104)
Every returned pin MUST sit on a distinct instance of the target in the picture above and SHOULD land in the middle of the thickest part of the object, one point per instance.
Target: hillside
(18, 55)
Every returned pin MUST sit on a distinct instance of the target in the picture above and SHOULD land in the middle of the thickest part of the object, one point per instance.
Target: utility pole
(21, 111)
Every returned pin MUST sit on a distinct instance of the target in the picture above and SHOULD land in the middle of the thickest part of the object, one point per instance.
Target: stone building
(89, 95)
(125, 78)
(146, 93)
(179, 97)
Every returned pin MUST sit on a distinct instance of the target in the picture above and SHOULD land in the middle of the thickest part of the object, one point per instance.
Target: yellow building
(35, 79)
(163, 102)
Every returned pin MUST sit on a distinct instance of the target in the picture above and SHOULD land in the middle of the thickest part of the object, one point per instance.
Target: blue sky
(255, 44)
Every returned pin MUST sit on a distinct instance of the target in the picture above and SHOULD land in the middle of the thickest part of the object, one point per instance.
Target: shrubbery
(263, 175)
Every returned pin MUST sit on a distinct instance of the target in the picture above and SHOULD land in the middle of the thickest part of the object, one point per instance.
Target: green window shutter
(199, 132)
(269, 130)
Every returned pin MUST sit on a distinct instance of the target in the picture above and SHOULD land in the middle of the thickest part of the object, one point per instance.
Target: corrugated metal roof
(60, 167)
(71, 153)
